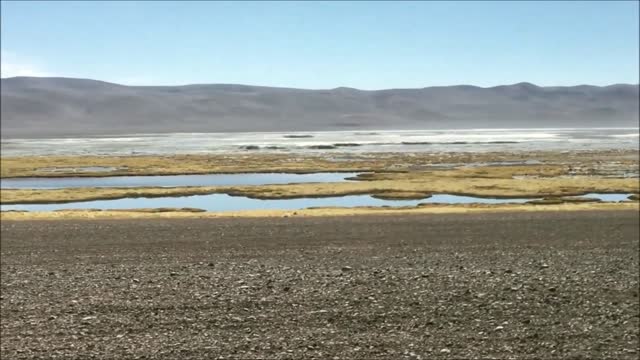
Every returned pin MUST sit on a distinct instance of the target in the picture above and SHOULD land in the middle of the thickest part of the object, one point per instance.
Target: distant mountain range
(45, 107)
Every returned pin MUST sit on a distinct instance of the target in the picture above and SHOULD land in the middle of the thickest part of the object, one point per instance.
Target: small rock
(319, 312)
(445, 351)
(544, 266)
(347, 268)
(173, 274)
(498, 328)
(552, 289)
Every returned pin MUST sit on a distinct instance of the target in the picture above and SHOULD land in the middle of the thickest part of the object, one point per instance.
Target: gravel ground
(511, 285)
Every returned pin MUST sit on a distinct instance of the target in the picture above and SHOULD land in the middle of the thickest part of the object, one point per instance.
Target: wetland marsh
(366, 180)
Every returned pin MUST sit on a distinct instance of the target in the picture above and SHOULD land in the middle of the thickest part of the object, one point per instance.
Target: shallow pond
(608, 197)
(172, 180)
(223, 202)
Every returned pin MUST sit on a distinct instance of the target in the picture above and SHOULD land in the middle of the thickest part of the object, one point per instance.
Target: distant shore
(329, 142)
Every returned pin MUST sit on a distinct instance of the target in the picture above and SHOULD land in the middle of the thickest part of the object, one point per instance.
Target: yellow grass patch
(424, 210)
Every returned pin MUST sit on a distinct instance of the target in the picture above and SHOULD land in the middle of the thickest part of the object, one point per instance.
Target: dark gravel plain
(508, 285)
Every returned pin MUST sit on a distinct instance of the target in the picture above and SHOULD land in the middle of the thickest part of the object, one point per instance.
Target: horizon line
(524, 83)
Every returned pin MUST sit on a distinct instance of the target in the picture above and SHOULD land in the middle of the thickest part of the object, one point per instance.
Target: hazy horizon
(328, 88)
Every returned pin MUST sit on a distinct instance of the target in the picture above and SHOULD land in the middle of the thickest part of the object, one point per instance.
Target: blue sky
(367, 45)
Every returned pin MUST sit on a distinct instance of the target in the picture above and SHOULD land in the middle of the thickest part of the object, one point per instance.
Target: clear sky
(366, 45)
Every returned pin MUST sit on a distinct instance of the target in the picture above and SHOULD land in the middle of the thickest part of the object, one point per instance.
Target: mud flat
(501, 285)
(580, 162)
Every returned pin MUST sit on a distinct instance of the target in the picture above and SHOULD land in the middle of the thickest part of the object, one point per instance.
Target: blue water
(172, 180)
(608, 197)
(223, 202)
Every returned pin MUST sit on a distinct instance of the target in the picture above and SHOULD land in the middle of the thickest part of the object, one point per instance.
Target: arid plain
(556, 276)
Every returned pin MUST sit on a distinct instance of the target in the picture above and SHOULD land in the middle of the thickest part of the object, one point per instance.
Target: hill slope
(40, 107)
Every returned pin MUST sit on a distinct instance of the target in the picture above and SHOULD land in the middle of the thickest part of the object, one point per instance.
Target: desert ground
(490, 285)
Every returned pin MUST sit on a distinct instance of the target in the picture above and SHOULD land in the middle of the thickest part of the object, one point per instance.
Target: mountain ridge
(45, 107)
(298, 88)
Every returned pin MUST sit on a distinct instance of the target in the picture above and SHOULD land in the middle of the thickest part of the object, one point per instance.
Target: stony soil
(506, 285)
